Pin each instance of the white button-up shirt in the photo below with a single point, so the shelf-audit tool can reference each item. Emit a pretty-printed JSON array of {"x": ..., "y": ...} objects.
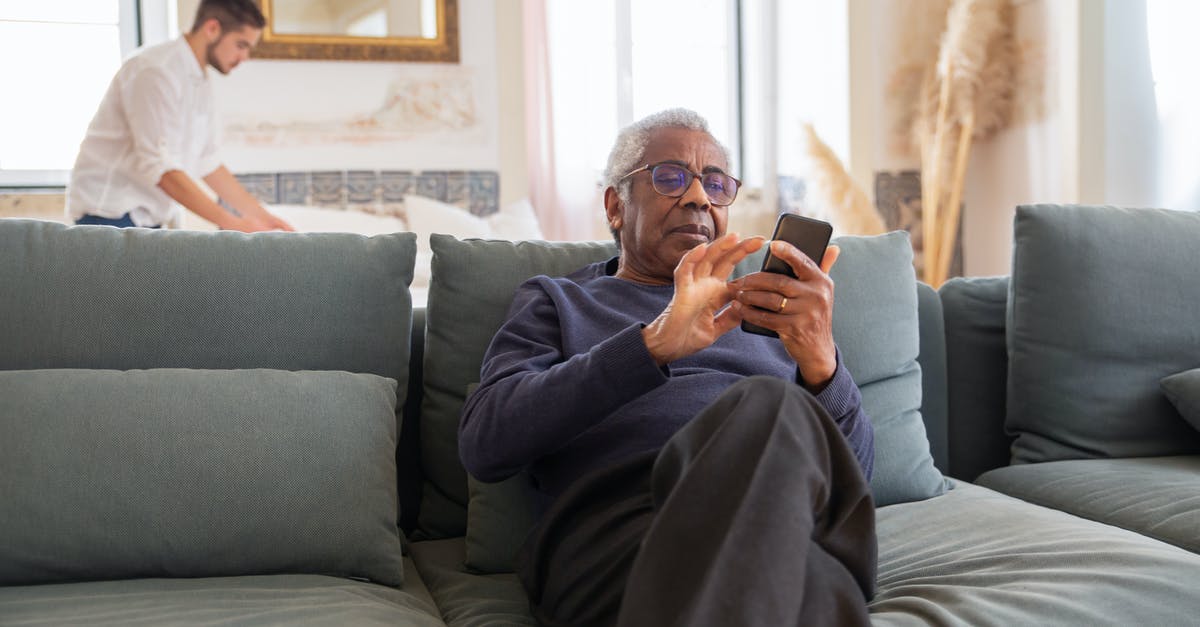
[{"x": 158, "y": 115}]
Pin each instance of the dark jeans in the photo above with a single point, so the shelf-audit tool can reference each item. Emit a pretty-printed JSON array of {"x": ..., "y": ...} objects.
[
  {"x": 122, "y": 222},
  {"x": 755, "y": 513}
]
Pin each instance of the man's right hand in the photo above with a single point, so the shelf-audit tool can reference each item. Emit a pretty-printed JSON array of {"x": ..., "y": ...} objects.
[{"x": 691, "y": 320}]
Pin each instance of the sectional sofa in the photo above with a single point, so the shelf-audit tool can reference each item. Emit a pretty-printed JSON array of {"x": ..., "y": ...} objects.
[{"x": 203, "y": 428}]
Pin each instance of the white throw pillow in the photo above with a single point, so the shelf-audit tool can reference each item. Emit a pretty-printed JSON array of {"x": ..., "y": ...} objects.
[
  {"x": 306, "y": 219},
  {"x": 309, "y": 219},
  {"x": 515, "y": 222}
]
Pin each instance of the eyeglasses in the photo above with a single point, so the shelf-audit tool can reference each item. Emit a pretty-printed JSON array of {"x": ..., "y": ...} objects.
[{"x": 673, "y": 180}]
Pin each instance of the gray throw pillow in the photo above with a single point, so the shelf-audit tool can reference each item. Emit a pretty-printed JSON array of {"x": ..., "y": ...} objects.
[
  {"x": 875, "y": 324},
  {"x": 1183, "y": 390},
  {"x": 196, "y": 473},
  {"x": 1103, "y": 306}
]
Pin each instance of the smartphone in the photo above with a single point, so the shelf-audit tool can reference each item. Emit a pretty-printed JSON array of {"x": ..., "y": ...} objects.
[{"x": 809, "y": 235}]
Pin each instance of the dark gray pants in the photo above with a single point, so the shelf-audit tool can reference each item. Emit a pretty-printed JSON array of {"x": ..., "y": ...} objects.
[{"x": 755, "y": 513}]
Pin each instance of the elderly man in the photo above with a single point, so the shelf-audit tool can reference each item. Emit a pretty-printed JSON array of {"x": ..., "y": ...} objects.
[{"x": 686, "y": 472}]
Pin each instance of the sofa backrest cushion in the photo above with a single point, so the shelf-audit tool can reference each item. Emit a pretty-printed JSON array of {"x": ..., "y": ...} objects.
[
  {"x": 876, "y": 327},
  {"x": 472, "y": 287},
  {"x": 194, "y": 473},
  {"x": 977, "y": 373},
  {"x": 1103, "y": 305},
  {"x": 100, "y": 297},
  {"x": 875, "y": 324}
]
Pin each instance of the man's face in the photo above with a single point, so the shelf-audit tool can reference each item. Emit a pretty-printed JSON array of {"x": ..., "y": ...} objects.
[
  {"x": 657, "y": 230},
  {"x": 231, "y": 48}
]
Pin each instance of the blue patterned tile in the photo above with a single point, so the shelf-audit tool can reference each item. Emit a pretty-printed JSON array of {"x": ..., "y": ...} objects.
[
  {"x": 457, "y": 191},
  {"x": 362, "y": 187},
  {"x": 294, "y": 188},
  {"x": 432, "y": 185},
  {"x": 484, "y": 192},
  {"x": 395, "y": 184},
  {"x": 261, "y": 185},
  {"x": 329, "y": 189}
]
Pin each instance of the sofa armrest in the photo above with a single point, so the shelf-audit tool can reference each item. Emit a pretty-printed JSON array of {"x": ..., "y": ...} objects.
[{"x": 977, "y": 374}]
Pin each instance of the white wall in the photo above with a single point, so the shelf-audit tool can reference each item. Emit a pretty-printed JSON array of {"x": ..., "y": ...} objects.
[
  {"x": 1078, "y": 133},
  {"x": 304, "y": 106}
]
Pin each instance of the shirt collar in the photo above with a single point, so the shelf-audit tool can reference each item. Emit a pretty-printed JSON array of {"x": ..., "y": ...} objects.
[{"x": 194, "y": 71}]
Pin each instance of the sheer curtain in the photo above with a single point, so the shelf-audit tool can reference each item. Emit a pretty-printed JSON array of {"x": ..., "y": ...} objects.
[
  {"x": 571, "y": 118},
  {"x": 591, "y": 68}
]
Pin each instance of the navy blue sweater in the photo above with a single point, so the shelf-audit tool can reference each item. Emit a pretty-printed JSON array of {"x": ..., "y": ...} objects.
[{"x": 568, "y": 386}]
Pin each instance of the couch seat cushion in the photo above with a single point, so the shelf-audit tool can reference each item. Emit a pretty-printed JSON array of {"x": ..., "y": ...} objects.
[
  {"x": 1155, "y": 496},
  {"x": 975, "y": 557},
  {"x": 469, "y": 599},
  {"x": 294, "y": 600}
]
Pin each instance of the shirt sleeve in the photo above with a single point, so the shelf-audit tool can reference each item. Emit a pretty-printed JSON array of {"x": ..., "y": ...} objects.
[
  {"x": 209, "y": 160},
  {"x": 519, "y": 414},
  {"x": 154, "y": 114},
  {"x": 843, "y": 400}
]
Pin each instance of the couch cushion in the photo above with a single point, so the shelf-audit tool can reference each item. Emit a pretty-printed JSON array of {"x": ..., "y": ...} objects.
[
  {"x": 252, "y": 600},
  {"x": 99, "y": 297},
  {"x": 140, "y": 298},
  {"x": 1183, "y": 390},
  {"x": 976, "y": 370},
  {"x": 1103, "y": 306},
  {"x": 977, "y": 557},
  {"x": 469, "y": 599},
  {"x": 875, "y": 324},
  {"x": 195, "y": 473},
  {"x": 473, "y": 286},
  {"x": 1154, "y": 496}
]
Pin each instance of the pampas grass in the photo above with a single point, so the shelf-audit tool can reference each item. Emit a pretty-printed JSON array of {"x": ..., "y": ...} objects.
[
  {"x": 967, "y": 95},
  {"x": 834, "y": 193}
]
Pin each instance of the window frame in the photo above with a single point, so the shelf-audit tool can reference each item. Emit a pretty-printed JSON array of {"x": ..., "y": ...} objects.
[{"x": 135, "y": 18}]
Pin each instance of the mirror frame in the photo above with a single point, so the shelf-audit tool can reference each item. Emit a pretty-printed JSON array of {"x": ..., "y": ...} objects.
[{"x": 443, "y": 49}]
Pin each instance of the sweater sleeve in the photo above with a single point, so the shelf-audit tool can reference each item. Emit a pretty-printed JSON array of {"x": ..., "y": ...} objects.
[
  {"x": 843, "y": 400},
  {"x": 532, "y": 399}
]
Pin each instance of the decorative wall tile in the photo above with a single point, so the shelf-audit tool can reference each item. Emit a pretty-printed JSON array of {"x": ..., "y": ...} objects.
[
  {"x": 477, "y": 191},
  {"x": 395, "y": 184},
  {"x": 329, "y": 189},
  {"x": 362, "y": 191},
  {"x": 294, "y": 188},
  {"x": 262, "y": 186},
  {"x": 484, "y": 192},
  {"x": 431, "y": 184}
]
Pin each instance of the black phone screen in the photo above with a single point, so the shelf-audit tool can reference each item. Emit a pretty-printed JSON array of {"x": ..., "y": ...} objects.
[{"x": 810, "y": 236}]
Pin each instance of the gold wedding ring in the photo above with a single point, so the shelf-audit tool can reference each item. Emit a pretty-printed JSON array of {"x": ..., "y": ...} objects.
[{"x": 782, "y": 304}]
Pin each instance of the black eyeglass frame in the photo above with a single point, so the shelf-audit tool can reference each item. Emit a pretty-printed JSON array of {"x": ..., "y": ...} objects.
[{"x": 649, "y": 167}]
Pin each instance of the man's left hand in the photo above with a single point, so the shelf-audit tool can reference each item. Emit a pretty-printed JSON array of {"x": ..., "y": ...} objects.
[{"x": 800, "y": 310}]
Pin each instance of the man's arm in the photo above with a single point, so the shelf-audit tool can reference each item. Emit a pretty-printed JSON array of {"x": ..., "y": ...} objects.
[
  {"x": 533, "y": 399},
  {"x": 179, "y": 186},
  {"x": 227, "y": 187}
]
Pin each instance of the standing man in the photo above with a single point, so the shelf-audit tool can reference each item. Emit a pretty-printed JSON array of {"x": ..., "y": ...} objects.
[{"x": 156, "y": 132}]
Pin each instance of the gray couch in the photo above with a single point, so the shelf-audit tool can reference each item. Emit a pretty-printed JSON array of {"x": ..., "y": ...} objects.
[{"x": 223, "y": 428}]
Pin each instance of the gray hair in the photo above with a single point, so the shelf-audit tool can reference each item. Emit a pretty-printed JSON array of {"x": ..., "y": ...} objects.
[{"x": 630, "y": 147}]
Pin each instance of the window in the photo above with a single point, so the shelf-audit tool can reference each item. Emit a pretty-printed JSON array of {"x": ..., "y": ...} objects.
[
  {"x": 59, "y": 56},
  {"x": 1173, "y": 50},
  {"x": 755, "y": 69}
]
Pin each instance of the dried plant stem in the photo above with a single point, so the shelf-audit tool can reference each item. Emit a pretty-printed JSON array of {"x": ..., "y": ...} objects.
[
  {"x": 930, "y": 204},
  {"x": 949, "y": 225}
]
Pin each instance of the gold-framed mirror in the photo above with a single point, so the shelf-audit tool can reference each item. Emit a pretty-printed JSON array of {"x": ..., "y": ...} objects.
[{"x": 360, "y": 30}]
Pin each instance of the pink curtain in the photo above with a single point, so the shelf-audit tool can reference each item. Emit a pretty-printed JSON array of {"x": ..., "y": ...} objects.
[{"x": 539, "y": 122}]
